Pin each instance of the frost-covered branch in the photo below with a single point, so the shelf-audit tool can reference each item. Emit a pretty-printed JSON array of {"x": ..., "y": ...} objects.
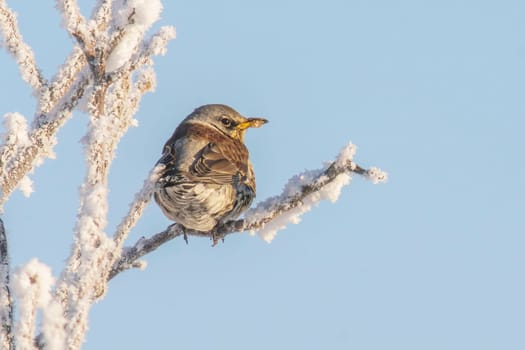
[
  {"x": 271, "y": 215},
  {"x": 85, "y": 279},
  {"x": 111, "y": 107},
  {"x": 102, "y": 14},
  {"x": 75, "y": 23},
  {"x": 55, "y": 101},
  {"x": 6, "y": 300},
  {"x": 16, "y": 46},
  {"x": 59, "y": 87},
  {"x": 41, "y": 141},
  {"x": 32, "y": 285},
  {"x": 142, "y": 198},
  {"x": 156, "y": 45},
  {"x": 112, "y": 40}
]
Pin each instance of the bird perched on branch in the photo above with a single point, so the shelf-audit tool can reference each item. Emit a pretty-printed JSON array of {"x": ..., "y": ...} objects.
[{"x": 208, "y": 177}]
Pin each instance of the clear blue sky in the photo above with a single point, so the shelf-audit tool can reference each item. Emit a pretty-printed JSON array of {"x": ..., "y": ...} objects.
[{"x": 431, "y": 91}]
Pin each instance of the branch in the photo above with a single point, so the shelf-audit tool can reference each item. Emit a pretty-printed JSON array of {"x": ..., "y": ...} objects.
[
  {"x": 32, "y": 285},
  {"x": 41, "y": 140},
  {"x": 55, "y": 104},
  {"x": 257, "y": 219},
  {"x": 154, "y": 46},
  {"x": 21, "y": 52},
  {"x": 6, "y": 299},
  {"x": 93, "y": 252},
  {"x": 102, "y": 14},
  {"x": 75, "y": 23},
  {"x": 59, "y": 86}
]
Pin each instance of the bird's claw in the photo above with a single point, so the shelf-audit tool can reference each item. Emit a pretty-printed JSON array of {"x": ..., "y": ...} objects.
[{"x": 216, "y": 237}]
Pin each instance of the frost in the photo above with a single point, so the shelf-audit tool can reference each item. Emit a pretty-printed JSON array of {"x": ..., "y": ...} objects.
[
  {"x": 377, "y": 175},
  {"x": 304, "y": 191},
  {"x": 157, "y": 45},
  {"x": 325, "y": 190},
  {"x": 137, "y": 12},
  {"x": 140, "y": 264},
  {"x": 35, "y": 280},
  {"x": 26, "y": 186},
  {"x": 53, "y": 325},
  {"x": 13, "y": 41},
  {"x": 15, "y": 139},
  {"x": 125, "y": 48},
  {"x": 347, "y": 153},
  {"x": 32, "y": 285},
  {"x": 136, "y": 208},
  {"x": 16, "y": 130},
  {"x": 330, "y": 191},
  {"x": 94, "y": 199},
  {"x": 72, "y": 19},
  {"x": 134, "y": 17}
]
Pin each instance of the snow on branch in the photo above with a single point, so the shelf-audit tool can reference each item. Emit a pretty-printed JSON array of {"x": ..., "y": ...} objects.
[
  {"x": 74, "y": 22},
  {"x": 131, "y": 18},
  {"x": 136, "y": 208},
  {"x": 102, "y": 14},
  {"x": 111, "y": 106},
  {"x": 271, "y": 215},
  {"x": 41, "y": 140},
  {"x": 6, "y": 300},
  {"x": 59, "y": 87},
  {"x": 14, "y": 139},
  {"x": 21, "y": 52},
  {"x": 32, "y": 285},
  {"x": 56, "y": 102}
]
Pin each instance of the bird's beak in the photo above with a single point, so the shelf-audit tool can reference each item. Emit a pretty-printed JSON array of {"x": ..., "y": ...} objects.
[{"x": 251, "y": 123}]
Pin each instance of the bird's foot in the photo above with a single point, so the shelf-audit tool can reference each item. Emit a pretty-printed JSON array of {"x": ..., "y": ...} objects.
[{"x": 216, "y": 237}]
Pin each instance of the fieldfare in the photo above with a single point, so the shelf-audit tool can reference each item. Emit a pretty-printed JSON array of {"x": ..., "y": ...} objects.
[{"x": 208, "y": 178}]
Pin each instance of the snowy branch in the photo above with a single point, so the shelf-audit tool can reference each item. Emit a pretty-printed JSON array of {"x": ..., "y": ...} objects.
[
  {"x": 41, "y": 141},
  {"x": 111, "y": 106},
  {"x": 102, "y": 14},
  {"x": 59, "y": 87},
  {"x": 21, "y": 52},
  {"x": 6, "y": 300},
  {"x": 156, "y": 45},
  {"x": 269, "y": 216},
  {"x": 32, "y": 285},
  {"x": 75, "y": 23}
]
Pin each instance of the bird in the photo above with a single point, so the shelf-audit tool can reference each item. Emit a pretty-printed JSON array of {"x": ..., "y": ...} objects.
[{"x": 207, "y": 178}]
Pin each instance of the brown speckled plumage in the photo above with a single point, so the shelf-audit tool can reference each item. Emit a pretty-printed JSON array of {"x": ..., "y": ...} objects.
[{"x": 208, "y": 176}]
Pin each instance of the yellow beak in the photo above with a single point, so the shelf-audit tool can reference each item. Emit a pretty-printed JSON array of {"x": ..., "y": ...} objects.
[{"x": 251, "y": 123}]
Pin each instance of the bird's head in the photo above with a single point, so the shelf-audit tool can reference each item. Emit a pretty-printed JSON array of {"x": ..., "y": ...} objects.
[{"x": 225, "y": 119}]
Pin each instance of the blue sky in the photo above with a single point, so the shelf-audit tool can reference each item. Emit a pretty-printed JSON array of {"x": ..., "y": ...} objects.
[{"x": 431, "y": 91}]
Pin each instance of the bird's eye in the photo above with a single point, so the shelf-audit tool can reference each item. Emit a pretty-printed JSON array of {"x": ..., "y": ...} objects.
[{"x": 227, "y": 122}]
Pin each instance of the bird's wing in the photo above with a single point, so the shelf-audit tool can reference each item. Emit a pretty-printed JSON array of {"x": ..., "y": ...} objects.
[
  {"x": 220, "y": 163},
  {"x": 168, "y": 156}
]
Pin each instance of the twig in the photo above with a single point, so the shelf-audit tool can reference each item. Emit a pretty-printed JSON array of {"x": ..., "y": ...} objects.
[
  {"x": 6, "y": 299},
  {"x": 156, "y": 45},
  {"x": 76, "y": 24},
  {"x": 102, "y": 14},
  {"x": 17, "y": 47},
  {"x": 60, "y": 85},
  {"x": 40, "y": 140}
]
